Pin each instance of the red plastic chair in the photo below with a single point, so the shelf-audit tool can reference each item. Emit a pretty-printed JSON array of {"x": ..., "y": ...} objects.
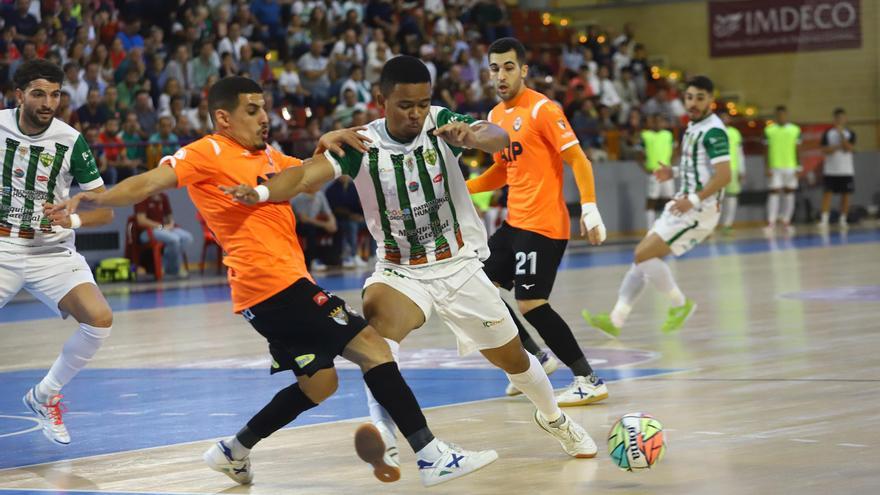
[
  {"x": 134, "y": 249},
  {"x": 208, "y": 240}
]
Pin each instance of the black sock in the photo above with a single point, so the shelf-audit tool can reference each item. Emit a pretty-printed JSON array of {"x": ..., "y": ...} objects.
[
  {"x": 392, "y": 393},
  {"x": 558, "y": 337},
  {"x": 524, "y": 336},
  {"x": 281, "y": 410}
]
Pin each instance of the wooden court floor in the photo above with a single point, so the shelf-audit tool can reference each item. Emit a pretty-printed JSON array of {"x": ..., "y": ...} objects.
[{"x": 773, "y": 387}]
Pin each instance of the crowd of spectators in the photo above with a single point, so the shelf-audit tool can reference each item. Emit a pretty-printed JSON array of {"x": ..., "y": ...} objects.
[{"x": 137, "y": 71}]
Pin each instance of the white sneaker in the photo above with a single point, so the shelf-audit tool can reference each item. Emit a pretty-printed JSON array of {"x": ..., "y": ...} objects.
[
  {"x": 454, "y": 462},
  {"x": 550, "y": 365},
  {"x": 49, "y": 415},
  {"x": 219, "y": 458},
  {"x": 583, "y": 391},
  {"x": 360, "y": 262},
  {"x": 574, "y": 439},
  {"x": 788, "y": 229},
  {"x": 378, "y": 446},
  {"x": 318, "y": 266},
  {"x": 348, "y": 263}
]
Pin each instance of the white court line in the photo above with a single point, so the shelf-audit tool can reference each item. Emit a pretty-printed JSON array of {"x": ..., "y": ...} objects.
[
  {"x": 517, "y": 422},
  {"x": 22, "y": 432},
  {"x": 223, "y": 414},
  {"x": 856, "y": 445},
  {"x": 803, "y": 440},
  {"x": 715, "y": 433},
  {"x": 470, "y": 420},
  {"x": 126, "y": 413},
  {"x": 123, "y": 396},
  {"x": 214, "y": 439}
]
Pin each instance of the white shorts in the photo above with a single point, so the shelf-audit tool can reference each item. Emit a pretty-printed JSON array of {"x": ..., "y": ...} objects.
[
  {"x": 783, "y": 178},
  {"x": 49, "y": 274},
  {"x": 657, "y": 189},
  {"x": 684, "y": 232},
  {"x": 467, "y": 301}
]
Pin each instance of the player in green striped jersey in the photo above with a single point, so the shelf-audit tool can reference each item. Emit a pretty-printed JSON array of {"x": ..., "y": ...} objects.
[
  {"x": 41, "y": 156},
  {"x": 686, "y": 221}
]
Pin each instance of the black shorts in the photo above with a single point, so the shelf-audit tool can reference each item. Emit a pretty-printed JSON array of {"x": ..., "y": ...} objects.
[
  {"x": 306, "y": 326},
  {"x": 840, "y": 184},
  {"x": 524, "y": 259}
]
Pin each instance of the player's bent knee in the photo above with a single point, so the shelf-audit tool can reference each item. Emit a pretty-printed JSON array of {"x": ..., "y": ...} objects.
[
  {"x": 320, "y": 386},
  {"x": 102, "y": 318},
  {"x": 526, "y": 305},
  {"x": 371, "y": 349}
]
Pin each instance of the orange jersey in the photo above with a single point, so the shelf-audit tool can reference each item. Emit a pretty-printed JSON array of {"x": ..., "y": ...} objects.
[
  {"x": 262, "y": 251},
  {"x": 539, "y": 133}
]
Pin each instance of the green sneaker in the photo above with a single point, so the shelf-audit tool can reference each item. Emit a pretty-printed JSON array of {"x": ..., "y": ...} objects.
[
  {"x": 678, "y": 315},
  {"x": 602, "y": 321}
]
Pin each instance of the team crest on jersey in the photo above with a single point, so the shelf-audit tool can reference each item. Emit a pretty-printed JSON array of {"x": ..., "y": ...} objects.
[
  {"x": 22, "y": 150},
  {"x": 410, "y": 163},
  {"x": 18, "y": 173},
  {"x": 46, "y": 159},
  {"x": 339, "y": 315},
  {"x": 430, "y": 156},
  {"x": 561, "y": 124},
  {"x": 413, "y": 186},
  {"x": 517, "y": 124}
]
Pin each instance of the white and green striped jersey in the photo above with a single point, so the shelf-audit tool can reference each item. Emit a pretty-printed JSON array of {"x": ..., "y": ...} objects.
[
  {"x": 703, "y": 145},
  {"x": 416, "y": 203},
  {"x": 38, "y": 169}
]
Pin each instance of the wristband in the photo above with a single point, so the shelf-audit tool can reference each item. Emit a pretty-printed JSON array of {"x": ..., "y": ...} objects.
[
  {"x": 694, "y": 199},
  {"x": 262, "y": 193},
  {"x": 75, "y": 221}
]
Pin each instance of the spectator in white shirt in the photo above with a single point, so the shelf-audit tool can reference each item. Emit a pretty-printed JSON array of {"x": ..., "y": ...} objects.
[
  {"x": 347, "y": 52},
  {"x": 314, "y": 71},
  {"x": 357, "y": 84},
  {"x": 74, "y": 86},
  {"x": 233, "y": 42},
  {"x": 628, "y": 92}
]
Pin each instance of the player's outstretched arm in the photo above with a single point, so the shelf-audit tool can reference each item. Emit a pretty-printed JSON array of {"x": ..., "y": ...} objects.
[
  {"x": 313, "y": 174},
  {"x": 59, "y": 214},
  {"x": 591, "y": 221},
  {"x": 130, "y": 191},
  {"x": 495, "y": 177},
  {"x": 483, "y": 136}
]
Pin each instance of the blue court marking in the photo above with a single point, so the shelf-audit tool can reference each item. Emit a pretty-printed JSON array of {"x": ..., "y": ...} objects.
[
  {"x": 118, "y": 410},
  {"x": 34, "y": 310}
]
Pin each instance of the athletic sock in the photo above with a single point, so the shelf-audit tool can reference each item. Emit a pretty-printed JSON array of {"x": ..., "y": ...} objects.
[
  {"x": 535, "y": 384},
  {"x": 79, "y": 349},
  {"x": 527, "y": 341},
  {"x": 558, "y": 337},
  {"x": 392, "y": 392}
]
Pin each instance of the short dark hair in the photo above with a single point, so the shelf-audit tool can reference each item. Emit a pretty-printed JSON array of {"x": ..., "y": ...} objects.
[
  {"x": 839, "y": 111},
  {"x": 781, "y": 108},
  {"x": 32, "y": 70},
  {"x": 223, "y": 95},
  {"x": 504, "y": 45},
  {"x": 402, "y": 69},
  {"x": 702, "y": 82}
]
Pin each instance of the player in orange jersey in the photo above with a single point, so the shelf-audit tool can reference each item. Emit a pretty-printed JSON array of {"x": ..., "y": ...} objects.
[
  {"x": 306, "y": 326},
  {"x": 527, "y": 249}
]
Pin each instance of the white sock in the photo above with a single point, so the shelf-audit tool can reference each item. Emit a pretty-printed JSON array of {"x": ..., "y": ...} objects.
[
  {"x": 430, "y": 452},
  {"x": 824, "y": 218},
  {"x": 378, "y": 415},
  {"x": 535, "y": 384},
  {"x": 729, "y": 211},
  {"x": 630, "y": 289},
  {"x": 76, "y": 354},
  {"x": 660, "y": 275},
  {"x": 650, "y": 216},
  {"x": 772, "y": 208},
  {"x": 239, "y": 451},
  {"x": 842, "y": 218},
  {"x": 787, "y": 207}
]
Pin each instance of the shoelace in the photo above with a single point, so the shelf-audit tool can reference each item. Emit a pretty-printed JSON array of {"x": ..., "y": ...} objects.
[{"x": 55, "y": 410}]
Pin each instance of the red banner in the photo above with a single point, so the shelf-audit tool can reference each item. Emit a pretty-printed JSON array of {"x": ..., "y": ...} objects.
[{"x": 767, "y": 26}]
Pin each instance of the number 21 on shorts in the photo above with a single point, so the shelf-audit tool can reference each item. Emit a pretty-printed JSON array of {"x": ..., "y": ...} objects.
[{"x": 522, "y": 258}]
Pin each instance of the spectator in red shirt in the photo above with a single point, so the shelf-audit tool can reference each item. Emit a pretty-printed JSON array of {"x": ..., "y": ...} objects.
[
  {"x": 155, "y": 213},
  {"x": 114, "y": 149}
]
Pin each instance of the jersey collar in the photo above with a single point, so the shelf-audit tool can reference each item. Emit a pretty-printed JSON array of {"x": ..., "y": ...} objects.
[{"x": 520, "y": 100}]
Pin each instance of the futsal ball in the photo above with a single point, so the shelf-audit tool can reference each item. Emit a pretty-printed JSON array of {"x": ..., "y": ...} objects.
[{"x": 636, "y": 441}]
